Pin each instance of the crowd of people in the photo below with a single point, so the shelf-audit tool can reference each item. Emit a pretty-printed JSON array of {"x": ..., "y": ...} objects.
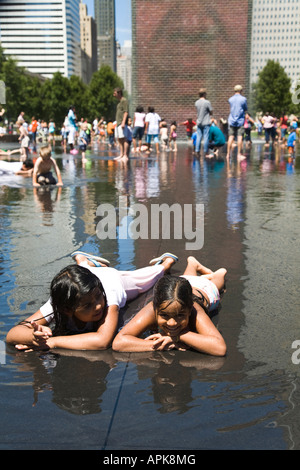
[{"x": 135, "y": 134}]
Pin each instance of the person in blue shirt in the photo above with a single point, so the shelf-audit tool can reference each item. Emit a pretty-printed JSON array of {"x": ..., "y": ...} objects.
[
  {"x": 292, "y": 139},
  {"x": 238, "y": 108},
  {"x": 216, "y": 139}
]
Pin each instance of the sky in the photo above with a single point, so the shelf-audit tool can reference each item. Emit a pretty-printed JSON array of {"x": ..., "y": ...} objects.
[{"x": 123, "y": 18}]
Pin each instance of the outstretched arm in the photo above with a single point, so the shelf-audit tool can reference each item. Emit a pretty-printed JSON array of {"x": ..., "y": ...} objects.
[
  {"x": 31, "y": 333},
  {"x": 57, "y": 171},
  {"x": 101, "y": 339},
  {"x": 128, "y": 339},
  {"x": 206, "y": 338},
  {"x": 34, "y": 333}
]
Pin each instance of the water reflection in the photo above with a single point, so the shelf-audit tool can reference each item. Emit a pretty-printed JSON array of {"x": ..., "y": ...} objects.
[
  {"x": 77, "y": 380},
  {"x": 46, "y": 199}
]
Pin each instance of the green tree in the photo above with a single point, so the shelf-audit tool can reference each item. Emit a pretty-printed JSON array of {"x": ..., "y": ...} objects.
[
  {"x": 79, "y": 96},
  {"x": 272, "y": 90},
  {"x": 15, "y": 80},
  {"x": 33, "y": 103},
  {"x": 2, "y": 58},
  {"x": 100, "y": 95},
  {"x": 56, "y": 96}
]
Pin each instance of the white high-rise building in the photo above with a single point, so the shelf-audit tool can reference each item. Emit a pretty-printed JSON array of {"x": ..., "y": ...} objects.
[
  {"x": 124, "y": 65},
  {"x": 275, "y": 36},
  {"x": 43, "y": 36}
]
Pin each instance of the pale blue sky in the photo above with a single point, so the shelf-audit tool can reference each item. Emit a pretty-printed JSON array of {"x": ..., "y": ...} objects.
[{"x": 123, "y": 18}]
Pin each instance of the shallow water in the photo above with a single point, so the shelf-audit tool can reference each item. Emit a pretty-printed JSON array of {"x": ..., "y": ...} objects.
[{"x": 106, "y": 400}]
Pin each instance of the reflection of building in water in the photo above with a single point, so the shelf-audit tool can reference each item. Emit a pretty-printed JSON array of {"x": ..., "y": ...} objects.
[{"x": 178, "y": 49}]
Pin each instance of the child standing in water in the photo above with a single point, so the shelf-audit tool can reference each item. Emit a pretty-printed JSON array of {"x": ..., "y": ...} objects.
[
  {"x": 83, "y": 140},
  {"x": 84, "y": 304},
  {"x": 173, "y": 136},
  {"x": 179, "y": 313}
]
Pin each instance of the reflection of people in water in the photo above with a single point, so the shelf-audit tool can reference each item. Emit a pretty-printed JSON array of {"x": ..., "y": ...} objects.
[
  {"x": 78, "y": 384},
  {"x": 45, "y": 202},
  {"x": 172, "y": 374},
  {"x": 77, "y": 379}
]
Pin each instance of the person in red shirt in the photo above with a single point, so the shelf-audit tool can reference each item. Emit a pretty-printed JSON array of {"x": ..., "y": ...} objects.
[
  {"x": 189, "y": 124},
  {"x": 34, "y": 125}
]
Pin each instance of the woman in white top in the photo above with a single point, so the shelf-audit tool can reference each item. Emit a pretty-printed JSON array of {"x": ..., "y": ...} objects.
[
  {"x": 138, "y": 128},
  {"x": 152, "y": 128}
]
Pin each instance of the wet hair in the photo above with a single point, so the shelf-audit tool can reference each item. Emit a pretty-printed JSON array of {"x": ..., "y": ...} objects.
[
  {"x": 66, "y": 291},
  {"x": 28, "y": 164},
  {"x": 172, "y": 289},
  {"x": 45, "y": 151}
]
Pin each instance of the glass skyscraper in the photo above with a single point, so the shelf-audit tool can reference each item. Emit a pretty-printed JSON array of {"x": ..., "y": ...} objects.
[
  {"x": 106, "y": 32},
  {"x": 42, "y": 35}
]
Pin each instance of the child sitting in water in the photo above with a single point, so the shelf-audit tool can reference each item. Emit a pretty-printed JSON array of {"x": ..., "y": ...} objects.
[
  {"x": 179, "y": 312},
  {"x": 42, "y": 173},
  {"x": 84, "y": 304}
]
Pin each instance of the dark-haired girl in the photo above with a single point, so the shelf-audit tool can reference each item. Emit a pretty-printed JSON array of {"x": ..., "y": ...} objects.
[
  {"x": 84, "y": 304},
  {"x": 179, "y": 314}
]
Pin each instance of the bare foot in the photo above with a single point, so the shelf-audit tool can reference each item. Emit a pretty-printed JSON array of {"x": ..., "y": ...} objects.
[
  {"x": 81, "y": 258},
  {"x": 167, "y": 263}
]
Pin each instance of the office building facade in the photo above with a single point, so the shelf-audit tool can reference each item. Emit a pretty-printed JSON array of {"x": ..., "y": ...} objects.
[
  {"x": 88, "y": 34},
  {"x": 43, "y": 36},
  {"x": 106, "y": 32},
  {"x": 276, "y": 36}
]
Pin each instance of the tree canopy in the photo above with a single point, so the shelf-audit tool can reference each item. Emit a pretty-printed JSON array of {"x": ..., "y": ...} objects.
[
  {"x": 51, "y": 98},
  {"x": 272, "y": 90}
]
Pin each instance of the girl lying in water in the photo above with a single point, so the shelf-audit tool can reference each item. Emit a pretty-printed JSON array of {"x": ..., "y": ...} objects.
[
  {"x": 179, "y": 313},
  {"x": 84, "y": 304}
]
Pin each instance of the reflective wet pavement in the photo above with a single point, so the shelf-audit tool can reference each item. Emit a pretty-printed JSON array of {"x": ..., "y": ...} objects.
[{"x": 170, "y": 400}]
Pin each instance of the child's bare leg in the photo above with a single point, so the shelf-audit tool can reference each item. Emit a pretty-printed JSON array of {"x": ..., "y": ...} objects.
[
  {"x": 194, "y": 267},
  {"x": 218, "y": 278}
]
